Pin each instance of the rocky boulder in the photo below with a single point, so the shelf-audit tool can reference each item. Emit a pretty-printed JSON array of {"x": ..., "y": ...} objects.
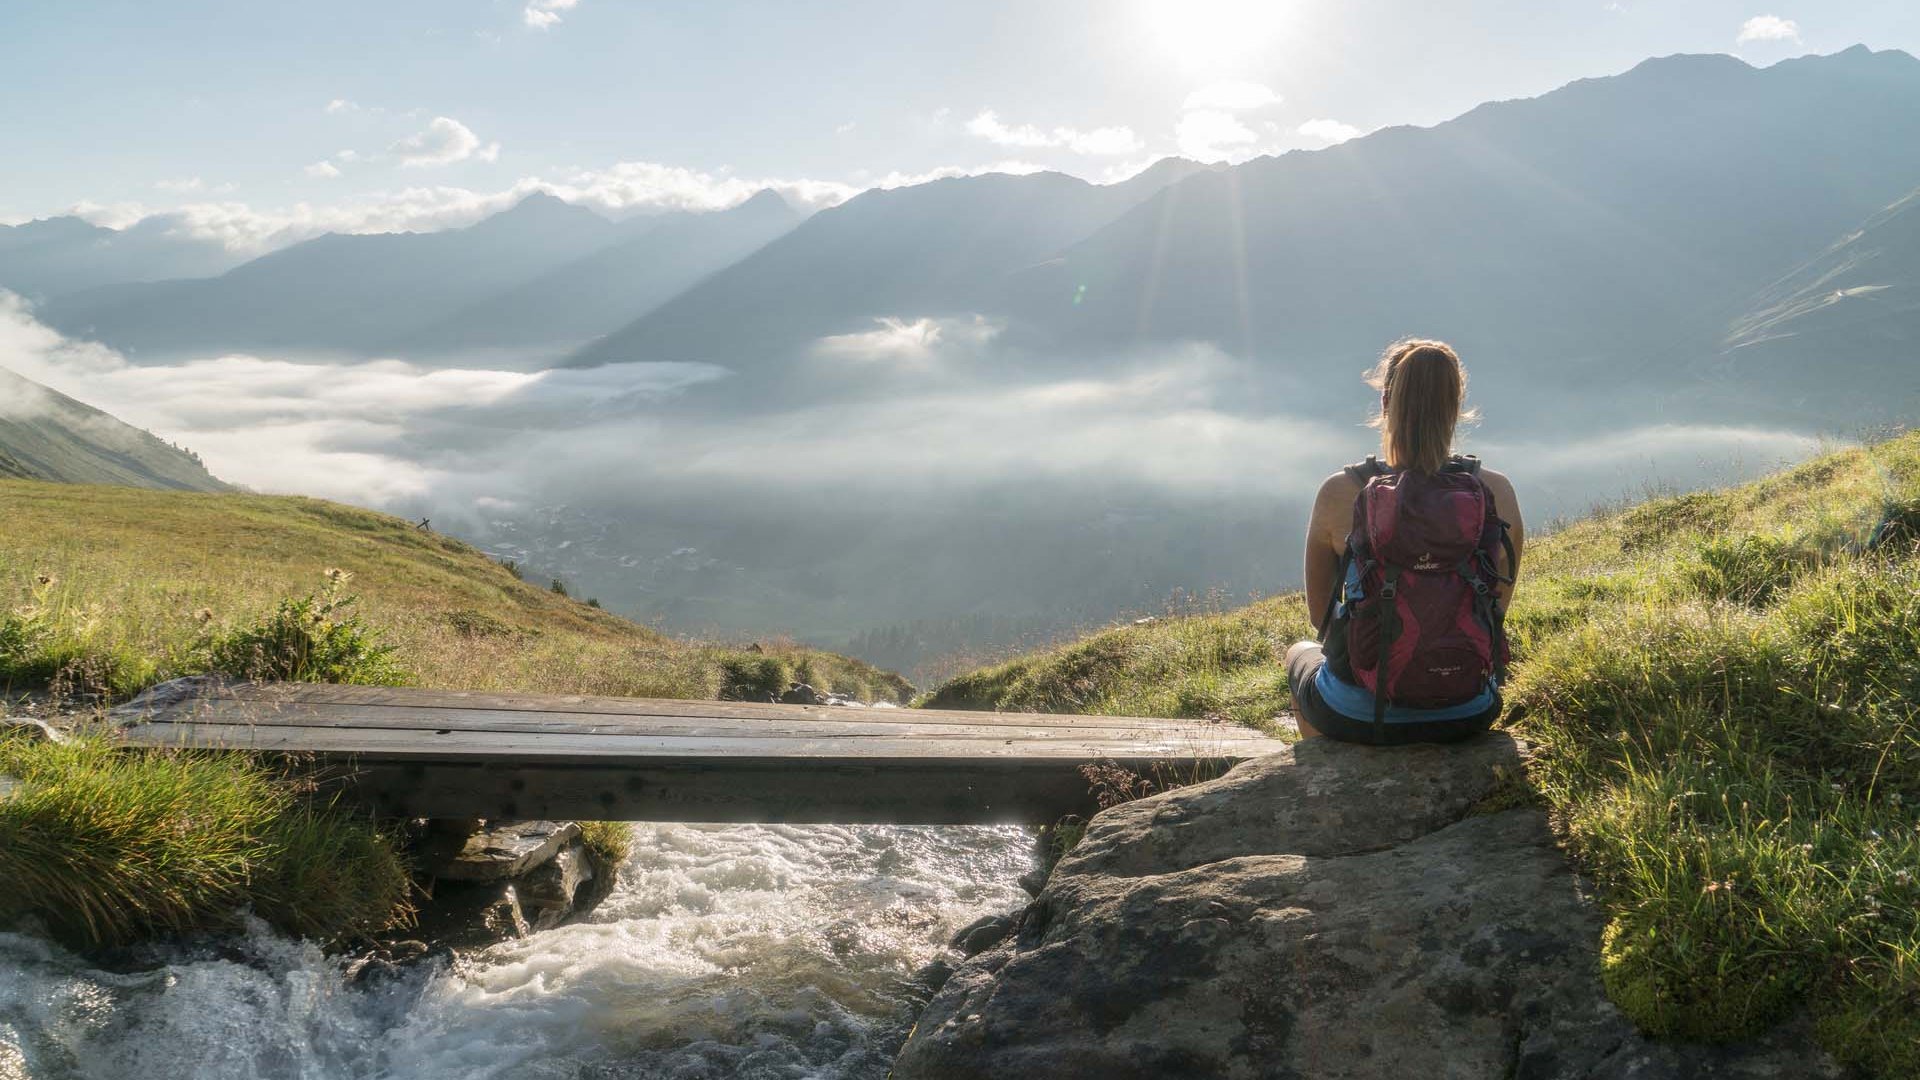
[
  {"x": 491, "y": 881},
  {"x": 1331, "y": 911}
]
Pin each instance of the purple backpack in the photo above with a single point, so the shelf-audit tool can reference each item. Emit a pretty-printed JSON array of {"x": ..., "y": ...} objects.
[{"x": 1413, "y": 618}]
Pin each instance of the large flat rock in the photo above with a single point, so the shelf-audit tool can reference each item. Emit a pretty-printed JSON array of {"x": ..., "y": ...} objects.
[{"x": 1331, "y": 912}]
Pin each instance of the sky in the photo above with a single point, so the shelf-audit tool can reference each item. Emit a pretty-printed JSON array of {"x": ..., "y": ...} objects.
[{"x": 261, "y": 124}]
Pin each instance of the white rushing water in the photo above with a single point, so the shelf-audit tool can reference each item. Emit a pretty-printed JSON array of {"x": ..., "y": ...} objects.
[{"x": 725, "y": 951}]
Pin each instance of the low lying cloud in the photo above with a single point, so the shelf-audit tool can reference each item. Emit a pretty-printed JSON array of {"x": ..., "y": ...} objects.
[
  {"x": 620, "y": 190},
  {"x": 444, "y": 141},
  {"x": 1768, "y": 28},
  {"x": 903, "y": 343},
  {"x": 369, "y": 433},
  {"x": 1102, "y": 141},
  {"x": 1329, "y": 131},
  {"x": 1214, "y": 135}
]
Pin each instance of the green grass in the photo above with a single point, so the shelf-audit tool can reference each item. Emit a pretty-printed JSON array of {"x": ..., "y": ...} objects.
[
  {"x": 1214, "y": 665},
  {"x": 107, "y": 846},
  {"x": 109, "y": 590},
  {"x": 1725, "y": 691}
]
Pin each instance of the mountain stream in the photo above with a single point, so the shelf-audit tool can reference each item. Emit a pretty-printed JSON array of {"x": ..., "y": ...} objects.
[{"x": 724, "y": 951}]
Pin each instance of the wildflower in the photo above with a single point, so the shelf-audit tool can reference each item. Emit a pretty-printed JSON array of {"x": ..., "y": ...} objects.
[
  {"x": 1902, "y": 877},
  {"x": 1894, "y": 798},
  {"x": 337, "y": 575},
  {"x": 203, "y": 616},
  {"x": 1806, "y": 849},
  {"x": 1836, "y": 787}
]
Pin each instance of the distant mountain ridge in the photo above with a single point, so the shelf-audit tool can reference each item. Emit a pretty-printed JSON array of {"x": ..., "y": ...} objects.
[
  {"x": 358, "y": 293},
  {"x": 598, "y": 292},
  {"x": 939, "y": 248},
  {"x": 63, "y": 254},
  {"x": 46, "y": 435}
]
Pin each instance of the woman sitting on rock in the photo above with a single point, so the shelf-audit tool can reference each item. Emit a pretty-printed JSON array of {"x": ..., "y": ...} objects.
[{"x": 1410, "y": 564}]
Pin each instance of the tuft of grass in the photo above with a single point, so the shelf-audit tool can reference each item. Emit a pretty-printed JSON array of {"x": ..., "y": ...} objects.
[
  {"x": 609, "y": 842},
  {"x": 309, "y": 639},
  {"x": 106, "y": 846}
]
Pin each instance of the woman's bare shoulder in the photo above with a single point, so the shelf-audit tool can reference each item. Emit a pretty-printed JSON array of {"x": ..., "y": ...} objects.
[
  {"x": 1502, "y": 489},
  {"x": 1339, "y": 488}
]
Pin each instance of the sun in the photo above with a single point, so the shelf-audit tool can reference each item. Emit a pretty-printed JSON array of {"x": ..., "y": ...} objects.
[{"x": 1209, "y": 34}]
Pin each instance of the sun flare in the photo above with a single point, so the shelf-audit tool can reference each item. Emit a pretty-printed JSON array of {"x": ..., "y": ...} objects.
[{"x": 1204, "y": 34}]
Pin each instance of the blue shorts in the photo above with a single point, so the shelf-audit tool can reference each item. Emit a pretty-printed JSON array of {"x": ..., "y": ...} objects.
[{"x": 1303, "y": 679}]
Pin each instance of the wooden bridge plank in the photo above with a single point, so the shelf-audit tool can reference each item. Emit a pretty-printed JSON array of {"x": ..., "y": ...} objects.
[
  {"x": 843, "y": 724},
  {"x": 327, "y": 694},
  {"x": 564, "y": 746},
  {"x": 454, "y": 754}
]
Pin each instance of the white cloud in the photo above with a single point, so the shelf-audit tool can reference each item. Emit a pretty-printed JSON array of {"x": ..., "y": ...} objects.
[
  {"x": 1768, "y": 28},
  {"x": 623, "y": 189},
  {"x": 1104, "y": 140},
  {"x": 543, "y": 14},
  {"x": 1213, "y": 135},
  {"x": 908, "y": 343},
  {"x": 117, "y": 215},
  {"x": 1329, "y": 131},
  {"x": 842, "y": 129},
  {"x": 325, "y": 170},
  {"x": 341, "y": 105},
  {"x": 443, "y": 142},
  {"x": 1233, "y": 96}
]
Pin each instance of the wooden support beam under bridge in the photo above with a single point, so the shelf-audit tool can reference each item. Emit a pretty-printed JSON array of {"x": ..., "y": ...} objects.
[{"x": 458, "y": 754}]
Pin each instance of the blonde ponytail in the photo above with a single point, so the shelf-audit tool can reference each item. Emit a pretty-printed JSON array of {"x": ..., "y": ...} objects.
[{"x": 1423, "y": 387}]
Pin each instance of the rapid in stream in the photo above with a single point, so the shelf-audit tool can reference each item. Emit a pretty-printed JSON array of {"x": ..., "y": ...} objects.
[{"x": 724, "y": 951}]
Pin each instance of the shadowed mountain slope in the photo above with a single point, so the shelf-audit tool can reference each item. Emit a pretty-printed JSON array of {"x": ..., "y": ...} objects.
[
  {"x": 1854, "y": 309},
  {"x": 604, "y": 290},
  {"x": 941, "y": 248},
  {"x": 45, "y": 435}
]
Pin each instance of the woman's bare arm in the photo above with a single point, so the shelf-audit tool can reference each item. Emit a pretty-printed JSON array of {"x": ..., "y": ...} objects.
[
  {"x": 1508, "y": 505},
  {"x": 1332, "y": 510}
]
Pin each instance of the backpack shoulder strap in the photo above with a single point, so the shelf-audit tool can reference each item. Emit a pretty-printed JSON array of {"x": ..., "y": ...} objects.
[{"x": 1364, "y": 471}]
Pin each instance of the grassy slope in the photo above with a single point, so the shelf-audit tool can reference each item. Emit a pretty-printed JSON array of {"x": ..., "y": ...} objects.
[
  {"x": 61, "y": 439},
  {"x": 1725, "y": 690},
  {"x": 138, "y": 578}
]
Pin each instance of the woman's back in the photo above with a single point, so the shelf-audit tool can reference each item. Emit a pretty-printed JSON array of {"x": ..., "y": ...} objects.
[{"x": 1425, "y": 628}]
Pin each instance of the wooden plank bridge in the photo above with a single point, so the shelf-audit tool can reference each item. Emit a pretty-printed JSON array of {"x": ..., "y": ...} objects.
[{"x": 455, "y": 754}]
